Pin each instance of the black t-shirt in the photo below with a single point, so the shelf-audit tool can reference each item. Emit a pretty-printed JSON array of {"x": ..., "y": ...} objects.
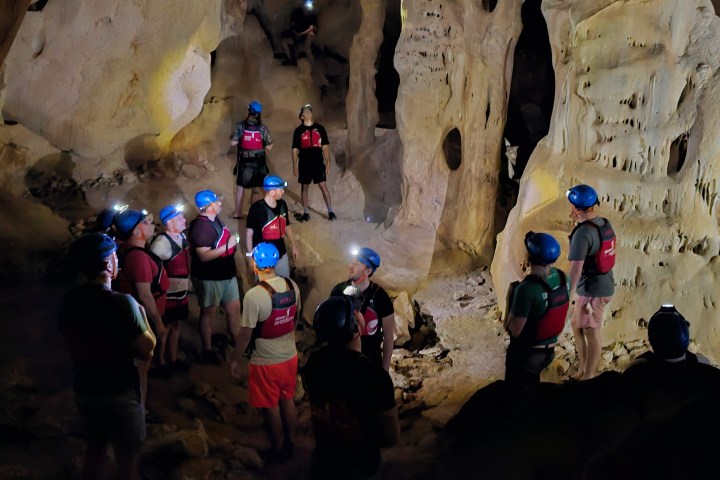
[
  {"x": 309, "y": 141},
  {"x": 261, "y": 215},
  {"x": 98, "y": 326},
  {"x": 347, "y": 391},
  {"x": 377, "y": 306},
  {"x": 206, "y": 233}
]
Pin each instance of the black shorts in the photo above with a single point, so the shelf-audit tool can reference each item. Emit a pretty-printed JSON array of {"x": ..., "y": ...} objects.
[
  {"x": 118, "y": 419},
  {"x": 175, "y": 314},
  {"x": 311, "y": 171},
  {"x": 251, "y": 172}
]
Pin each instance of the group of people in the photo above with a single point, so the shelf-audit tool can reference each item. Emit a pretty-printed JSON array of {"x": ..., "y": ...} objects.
[
  {"x": 539, "y": 304},
  {"x": 310, "y": 158},
  {"x": 129, "y": 312}
]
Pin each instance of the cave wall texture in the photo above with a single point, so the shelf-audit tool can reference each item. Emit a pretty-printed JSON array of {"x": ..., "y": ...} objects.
[{"x": 103, "y": 83}]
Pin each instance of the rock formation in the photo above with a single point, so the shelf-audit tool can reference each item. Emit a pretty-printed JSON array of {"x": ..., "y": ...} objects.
[{"x": 635, "y": 116}]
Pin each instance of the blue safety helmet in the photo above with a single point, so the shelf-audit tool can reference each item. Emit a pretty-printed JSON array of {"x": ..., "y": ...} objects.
[
  {"x": 266, "y": 255},
  {"x": 272, "y": 182},
  {"x": 255, "y": 107},
  {"x": 542, "y": 248},
  {"x": 104, "y": 219},
  {"x": 203, "y": 198},
  {"x": 334, "y": 321},
  {"x": 125, "y": 222},
  {"x": 88, "y": 253},
  {"x": 583, "y": 196},
  {"x": 169, "y": 212},
  {"x": 369, "y": 258},
  {"x": 668, "y": 332}
]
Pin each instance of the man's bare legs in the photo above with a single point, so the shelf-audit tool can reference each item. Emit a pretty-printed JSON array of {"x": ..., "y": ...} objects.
[
  {"x": 304, "y": 195},
  {"x": 289, "y": 414},
  {"x": 580, "y": 349},
  {"x": 232, "y": 310},
  {"x": 281, "y": 421},
  {"x": 593, "y": 349},
  {"x": 239, "y": 200},
  {"x": 172, "y": 340},
  {"x": 207, "y": 315},
  {"x": 326, "y": 195}
]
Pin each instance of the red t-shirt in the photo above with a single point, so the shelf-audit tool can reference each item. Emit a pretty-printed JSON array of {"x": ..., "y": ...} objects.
[{"x": 139, "y": 267}]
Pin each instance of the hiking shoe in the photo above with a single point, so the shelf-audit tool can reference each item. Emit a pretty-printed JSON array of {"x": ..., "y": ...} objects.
[
  {"x": 304, "y": 217},
  {"x": 210, "y": 357},
  {"x": 331, "y": 216}
]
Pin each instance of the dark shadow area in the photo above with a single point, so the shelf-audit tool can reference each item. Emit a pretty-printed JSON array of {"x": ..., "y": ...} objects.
[
  {"x": 678, "y": 154},
  {"x": 38, "y": 6},
  {"x": 489, "y": 5},
  {"x": 50, "y": 180},
  {"x": 532, "y": 89},
  {"x": 452, "y": 148},
  {"x": 387, "y": 79}
]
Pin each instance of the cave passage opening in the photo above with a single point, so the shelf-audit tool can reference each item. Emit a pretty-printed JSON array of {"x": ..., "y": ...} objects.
[
  {"x": 452, "y": 148},
  {"x": 387, "y": 79}
]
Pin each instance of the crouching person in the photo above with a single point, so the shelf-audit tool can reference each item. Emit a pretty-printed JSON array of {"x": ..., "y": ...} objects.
[
  {"x": 352, "y": 399},
  {"x": 537, "y": 313}
]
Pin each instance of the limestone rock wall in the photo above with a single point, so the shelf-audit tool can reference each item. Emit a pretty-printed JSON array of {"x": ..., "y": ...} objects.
[
  {"x": 636, "y": 115},
  {"x": 454, "y": 59},
  {"x": 90, "y": 76}
]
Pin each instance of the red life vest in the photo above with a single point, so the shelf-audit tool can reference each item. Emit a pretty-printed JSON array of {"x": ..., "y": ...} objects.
[
  {"x": 223, "y": 235},
  {"x": 552, "y": 321},
  {"x": 274, "y": 228},
  {"x": 310, "y": 139},
  {"x": 603, "y": 260},
  {"x": 251, "y": 137},
  {"x": 178, "y": 267},
  {"x": 282, "y": 318}
]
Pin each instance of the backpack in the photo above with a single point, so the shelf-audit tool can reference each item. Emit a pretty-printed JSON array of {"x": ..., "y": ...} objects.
[
  {"x": 552, "y": 321},
  {"x": 604, "y": 259}
]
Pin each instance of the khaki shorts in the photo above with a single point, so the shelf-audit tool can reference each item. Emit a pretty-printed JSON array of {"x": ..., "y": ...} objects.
[
  {"x": 211, "y": 293},
  {"x": 588, "y": 311}
]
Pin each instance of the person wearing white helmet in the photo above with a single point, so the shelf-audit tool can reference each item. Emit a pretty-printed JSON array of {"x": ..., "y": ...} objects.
[{"x": 592, "y": 258}]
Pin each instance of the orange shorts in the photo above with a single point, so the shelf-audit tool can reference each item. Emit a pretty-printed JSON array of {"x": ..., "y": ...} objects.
[
  {"x": 267, "y": 384},
  {"x": 588, "y": 311}
]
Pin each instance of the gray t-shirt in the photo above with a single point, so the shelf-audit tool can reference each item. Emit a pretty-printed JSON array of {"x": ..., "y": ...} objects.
[{"x": 585, "y": 242}]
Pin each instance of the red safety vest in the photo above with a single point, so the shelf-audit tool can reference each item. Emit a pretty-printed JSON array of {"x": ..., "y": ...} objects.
[
  {"x": 552, "y": 321},
  {"x": 177, "y": 266},
  {"x": 282, "y": 318},
  {"x": 604, "y": 259},
  {"x": 310, "y": 139},
  {"x": 274, "y": 228},
  {"x": 251, "y": 138}
]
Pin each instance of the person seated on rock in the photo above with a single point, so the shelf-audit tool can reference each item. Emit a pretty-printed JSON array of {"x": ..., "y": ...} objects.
[
  {"x": 107, "y": 336},
  {"x": 537, "y": 311},
  {"x": 352, "y": 399},
  {"x": 302, "y": 31},
  {"x": 669, "y": 336}
]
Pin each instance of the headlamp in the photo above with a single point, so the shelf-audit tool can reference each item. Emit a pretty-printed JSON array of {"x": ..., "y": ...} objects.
[
  {"x": 180, "y": 207},
  {"x": 120, "y": 208},
  {"x": 309, "y": 4}
]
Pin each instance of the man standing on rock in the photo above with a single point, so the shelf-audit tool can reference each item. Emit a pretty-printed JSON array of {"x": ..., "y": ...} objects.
[
  {"x": 537, "y": 313},
  {"x": 378, "y": 327},
  {"x": 592, "y": 257},
  {"x": 212, "y": 256},
  {"x": 352, "y": 399},
  {"x": 311, "y": 160},
  {"x": 270, "y": 310},
  {"x": 106, "y": 334},
  {"x": 268, "y": 221},
  {"x": 173, "y": 249},
  {"x": 253, "y": 142}
]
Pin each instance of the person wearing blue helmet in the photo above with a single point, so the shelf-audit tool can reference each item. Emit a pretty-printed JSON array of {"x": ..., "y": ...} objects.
[
  {"x": 377, "y": 332},
  {"x": 537, "y": 311},
  {"x": 592, "y": 258},
  {"x": 107, "y": 335},
  {"x": 142, "y": 274},
  {"x": 212, "y": 253},
  {"x": 173, "y": 248},
  {"x": 253, "y": 141},
  {"x": 270, "y": 311},
  {"x": 311, "y": 160},
  {"x": 268, "y": 221}
]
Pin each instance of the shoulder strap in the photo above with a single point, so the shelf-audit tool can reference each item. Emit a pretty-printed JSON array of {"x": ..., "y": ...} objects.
[
  {"x": 368, "y": 295},
  {"x": 153, "y": 257},
  {"x": 538, "y": 281},
  {"x": 267, "y": 287}
]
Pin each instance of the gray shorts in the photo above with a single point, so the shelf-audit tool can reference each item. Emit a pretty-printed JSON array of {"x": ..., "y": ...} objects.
[
  {"x": 118, "y": 420},
  {"x": 211, "y": 293}
]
